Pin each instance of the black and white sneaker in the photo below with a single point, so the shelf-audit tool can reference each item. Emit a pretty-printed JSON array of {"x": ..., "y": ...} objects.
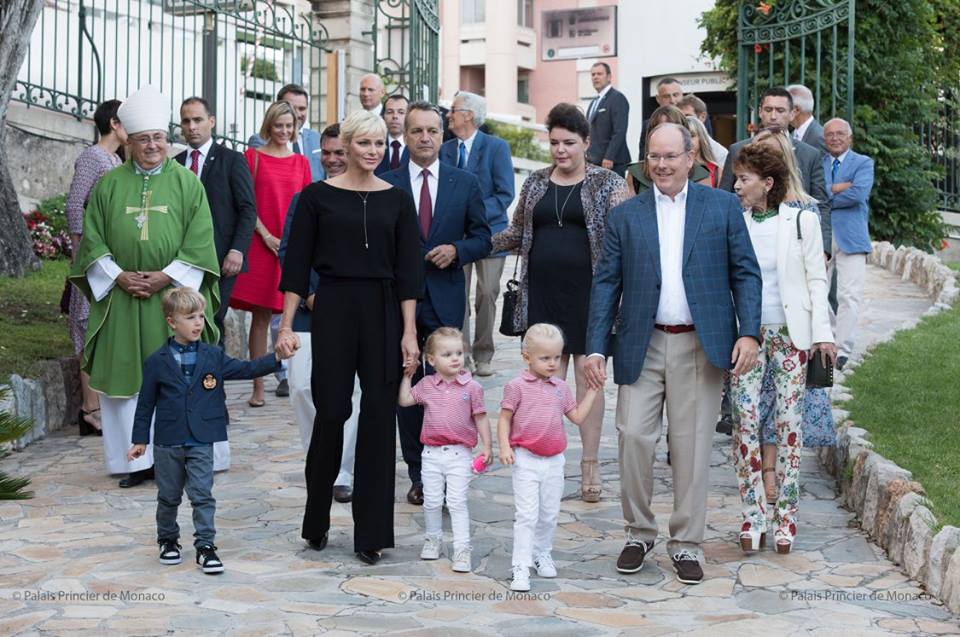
[
  {"x": 687, "y": 566},
  {"x": 207, "y": 560},
  {"x": 170, "y": 552}
]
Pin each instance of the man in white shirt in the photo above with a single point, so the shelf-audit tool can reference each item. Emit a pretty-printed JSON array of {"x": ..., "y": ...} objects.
[
  {"x": 806, "y": 128},
  {"x": 395, "y": 154},
  {"x": 678, "y": 275}
]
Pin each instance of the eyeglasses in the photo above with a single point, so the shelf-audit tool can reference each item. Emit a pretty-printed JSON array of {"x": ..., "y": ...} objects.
[
  {"x": 460, "y": 110},
  {"x": 143, "y": 140},
  {"x": 670, "y": 158}
]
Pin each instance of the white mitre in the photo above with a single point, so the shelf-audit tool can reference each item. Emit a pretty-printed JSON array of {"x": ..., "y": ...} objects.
[{"x": 146, "y": 109}]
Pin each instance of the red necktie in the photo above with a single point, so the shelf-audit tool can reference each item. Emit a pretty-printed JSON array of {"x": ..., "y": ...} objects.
[
  {"x": 426, "y": 206},
  {"x": 195, "y": 162},
  {"x": 395, "y": 155}
]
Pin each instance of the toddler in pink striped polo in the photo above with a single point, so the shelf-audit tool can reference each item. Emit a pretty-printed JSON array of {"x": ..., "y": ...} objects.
[
  {"x": 531, "y": 438},
  {"x": 453, "y": 414}
]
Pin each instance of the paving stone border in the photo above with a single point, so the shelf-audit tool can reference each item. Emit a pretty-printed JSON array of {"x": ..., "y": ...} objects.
[
  {"x": 52, "y": 399},
  {"x": 889, "y": 504}
]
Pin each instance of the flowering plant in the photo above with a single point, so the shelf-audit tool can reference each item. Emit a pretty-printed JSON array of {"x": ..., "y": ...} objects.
[{"x": 48, "y": 229}]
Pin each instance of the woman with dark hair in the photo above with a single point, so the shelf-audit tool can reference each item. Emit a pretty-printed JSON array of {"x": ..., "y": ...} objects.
[
  {"x": 558, "y": 228},
  {"x": 638, "y": 179},
  {"x": 794, "y": 319},
  {"x": 90, "y": 166}
]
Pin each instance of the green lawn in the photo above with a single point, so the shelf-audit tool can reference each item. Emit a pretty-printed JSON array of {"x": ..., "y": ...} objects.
[
  {"x": 31, "y": 326},
  {"x": 906, "y": 395}
]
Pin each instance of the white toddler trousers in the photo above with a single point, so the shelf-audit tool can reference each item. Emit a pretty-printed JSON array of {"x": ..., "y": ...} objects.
[
  {"x": 299, "y": 372},
  {"x": 537, "y": 490},
  {"x": 447, "y": 465}
]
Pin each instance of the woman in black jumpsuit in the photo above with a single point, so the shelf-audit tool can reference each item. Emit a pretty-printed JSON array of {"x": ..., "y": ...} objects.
[{"x": 359, "y": 235}]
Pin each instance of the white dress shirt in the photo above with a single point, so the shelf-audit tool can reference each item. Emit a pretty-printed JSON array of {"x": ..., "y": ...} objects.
[
  {"x": 594, "y": 105},
  {"x": 433, "y": 183},
  {"x": 671, "y": 217},
  {"x": 204, "y": 151},
  {"x": 801, "y": 130}
]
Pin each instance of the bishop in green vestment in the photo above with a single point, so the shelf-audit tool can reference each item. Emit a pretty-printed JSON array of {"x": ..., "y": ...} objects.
[{"x": 147, "y": 226}]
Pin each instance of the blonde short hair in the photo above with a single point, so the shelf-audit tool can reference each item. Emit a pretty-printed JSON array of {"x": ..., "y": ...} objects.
[
  {"x": 182, "y": 300},
  {"x": 362, "y": 123},
  {"x": 275, "y": 112},
  {"x": 782, "y": 145},
  {"x": 438, "y": 334},
  {"x": 540, "y": 332}
]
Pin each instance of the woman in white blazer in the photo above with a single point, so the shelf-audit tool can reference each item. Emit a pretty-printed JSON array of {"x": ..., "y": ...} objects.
[{"x": 794, "y": 324}]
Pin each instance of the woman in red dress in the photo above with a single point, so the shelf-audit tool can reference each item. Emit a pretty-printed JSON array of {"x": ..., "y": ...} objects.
[{"x": 278, "y": 174}]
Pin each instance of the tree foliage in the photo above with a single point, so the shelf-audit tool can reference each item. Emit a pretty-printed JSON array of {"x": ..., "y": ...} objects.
[{"x": 906, "y": 55}]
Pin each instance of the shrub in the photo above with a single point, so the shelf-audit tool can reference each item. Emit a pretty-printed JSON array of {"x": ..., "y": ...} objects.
[
  {"x": 521, "y": 140},
  {"x": 48, "y": 229},
  {"x": 262, "y": 69}
]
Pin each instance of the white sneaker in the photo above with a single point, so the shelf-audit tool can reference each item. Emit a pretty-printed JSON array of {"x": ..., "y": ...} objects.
[
  {"x": 462, "y": 562},
  {"x": 521, "y": 579},
  {"x": 431, "y": 548},
  {"x": 545, "y": 566}
]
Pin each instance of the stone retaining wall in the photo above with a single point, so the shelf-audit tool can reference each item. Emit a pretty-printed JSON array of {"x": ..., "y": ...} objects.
[
  {"x": 890, "y": 505},
  {"x": 52, "y": 400}
]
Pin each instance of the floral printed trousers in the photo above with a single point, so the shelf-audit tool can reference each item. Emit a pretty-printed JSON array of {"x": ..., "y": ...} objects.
[{"x": 788, "y": 368}]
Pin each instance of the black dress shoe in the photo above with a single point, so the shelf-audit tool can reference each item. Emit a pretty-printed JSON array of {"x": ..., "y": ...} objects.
[
  {"x": 415, "y": 494},
  {"x": 136, "y": 478},
  {"x": 342, "y": 493},
  {"x": 283, "y": 389},
  {"x": 725, "y": 425},
  {"x": 841, "y": 362},
  {"x": 369, "y": 557},
  {"x": 319, "y": 545}
]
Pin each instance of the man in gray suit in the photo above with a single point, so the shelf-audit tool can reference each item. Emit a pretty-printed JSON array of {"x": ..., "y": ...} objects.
[
  {"x": 776, "y": 110},
  {"x": 806, "y": 128},
  {"x": 607, "y": 114}
]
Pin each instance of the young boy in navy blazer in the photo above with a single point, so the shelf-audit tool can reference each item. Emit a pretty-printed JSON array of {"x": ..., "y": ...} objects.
[{"x": 183, "y": 382}]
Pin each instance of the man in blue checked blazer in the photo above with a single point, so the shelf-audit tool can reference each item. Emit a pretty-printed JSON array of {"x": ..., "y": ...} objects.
[
  {"x": 453, "y": 233},
  {"x": 679, "y": 282},
  {"x": 849, "y": 177}
]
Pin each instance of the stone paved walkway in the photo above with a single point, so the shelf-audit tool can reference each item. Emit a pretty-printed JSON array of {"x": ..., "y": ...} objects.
[{"x": 80, "y": 559}]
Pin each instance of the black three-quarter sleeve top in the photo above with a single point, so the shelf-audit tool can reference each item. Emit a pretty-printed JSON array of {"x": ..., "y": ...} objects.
[{"x": 330, "y": 235}]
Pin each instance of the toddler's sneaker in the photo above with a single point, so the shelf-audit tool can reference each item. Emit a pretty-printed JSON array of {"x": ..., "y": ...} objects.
[
  {"x": 170, "y": 552},
  {"x": 431, "y": 548},
  {"x": 462, "y": 561},
  {"x": 521, "y": 579},
  {"x": 545, "y": 566},
  {"x": 207, "y": 559}
]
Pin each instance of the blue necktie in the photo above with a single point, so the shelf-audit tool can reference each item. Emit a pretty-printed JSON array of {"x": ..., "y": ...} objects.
[
  {"x": 462, "y": 157},
  {"x": 835, "y": 171}
]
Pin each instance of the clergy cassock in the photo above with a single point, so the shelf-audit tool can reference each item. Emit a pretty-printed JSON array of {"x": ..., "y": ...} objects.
[{"x": 141, "y": 222}]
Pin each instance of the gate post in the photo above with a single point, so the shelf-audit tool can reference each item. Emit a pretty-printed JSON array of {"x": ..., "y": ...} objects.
[{"x": 209, "y": 82}]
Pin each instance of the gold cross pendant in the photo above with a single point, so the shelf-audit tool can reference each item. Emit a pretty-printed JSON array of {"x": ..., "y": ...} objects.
[{"x": 143, "y": 214}]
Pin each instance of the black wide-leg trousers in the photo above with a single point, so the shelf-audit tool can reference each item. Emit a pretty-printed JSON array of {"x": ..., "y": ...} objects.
[{"x": 356, "y": 328}]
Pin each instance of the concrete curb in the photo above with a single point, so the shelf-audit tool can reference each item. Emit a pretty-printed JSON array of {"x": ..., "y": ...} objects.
[{"x": 890, "y": 506}]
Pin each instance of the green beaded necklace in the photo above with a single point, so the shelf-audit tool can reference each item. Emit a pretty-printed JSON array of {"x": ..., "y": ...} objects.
[{"x": 763, "y": 216}]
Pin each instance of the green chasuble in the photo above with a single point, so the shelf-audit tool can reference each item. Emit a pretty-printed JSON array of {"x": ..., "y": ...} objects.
[{"x": 144, "y": 223}]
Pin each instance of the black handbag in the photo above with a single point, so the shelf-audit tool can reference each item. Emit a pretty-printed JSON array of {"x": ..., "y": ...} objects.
[
  {"x": 510, "y": 299},
  {"x": 65, "y": 297},
  {"x": 818, "y": 374}
]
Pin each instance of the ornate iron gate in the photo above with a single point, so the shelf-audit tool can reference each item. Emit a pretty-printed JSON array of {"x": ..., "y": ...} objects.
[
  {"x": 406, "y": 35},
  {"x": 234, "y": 53},
  {"x": 808, "y": 42}
]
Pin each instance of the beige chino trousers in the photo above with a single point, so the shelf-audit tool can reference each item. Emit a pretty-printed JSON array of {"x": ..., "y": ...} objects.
[{"x": 676, "y": 373}]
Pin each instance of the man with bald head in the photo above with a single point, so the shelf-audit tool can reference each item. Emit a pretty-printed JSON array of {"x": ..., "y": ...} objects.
[
  {"x": 849, "y": 180},
  {"x": 678, "y": 269},
  {"x": 371, "y": 93}
]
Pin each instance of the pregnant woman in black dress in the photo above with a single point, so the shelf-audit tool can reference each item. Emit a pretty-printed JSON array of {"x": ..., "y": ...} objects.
[
  {"x": 558, "y": 230},
  {"x": 360, "y": 236}
]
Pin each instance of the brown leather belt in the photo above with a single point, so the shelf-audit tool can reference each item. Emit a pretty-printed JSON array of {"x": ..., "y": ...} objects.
[{"x": 674, "y": 329}]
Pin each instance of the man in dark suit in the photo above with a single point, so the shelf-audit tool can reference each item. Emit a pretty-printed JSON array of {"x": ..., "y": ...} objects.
[
  {"x": 669, "y": 93},
  {"x": 395, "y": 154},
  {"x": 453, "y": 233},
  {"x": 229, "y": 186},
  {"x": 806, "y": 128},
  {"x": 776, "y": 110},
  {"x": 488, "y": 158},
  {"x": 678, "y": 274},
  {"x": 608, "y": 114}
]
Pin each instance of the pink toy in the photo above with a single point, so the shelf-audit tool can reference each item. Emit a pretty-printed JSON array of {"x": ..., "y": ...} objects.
[{"x": 479, "y": 466}]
